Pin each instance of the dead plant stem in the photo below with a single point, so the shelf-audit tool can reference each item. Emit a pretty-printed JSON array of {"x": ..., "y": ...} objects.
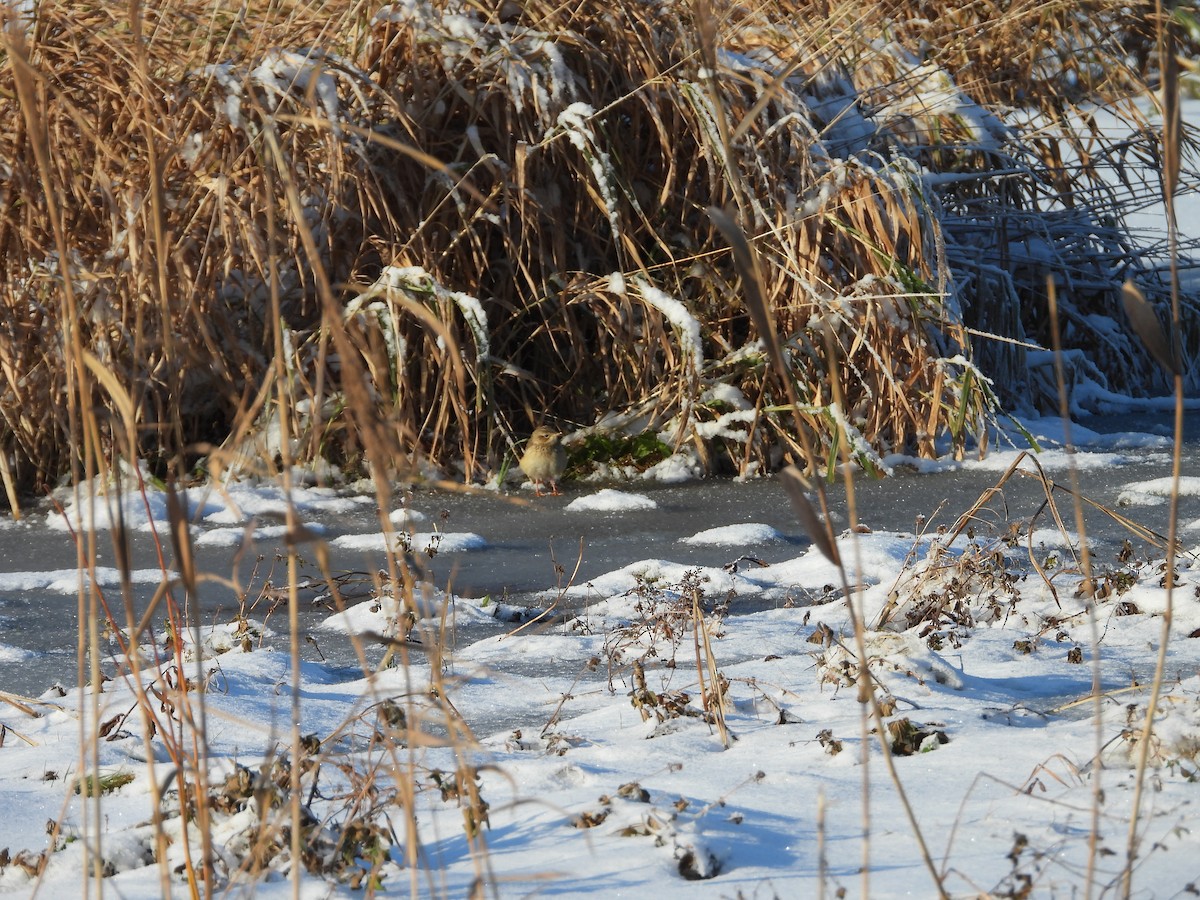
[
  {"x": 1088, "y": 588},
  {"x": 1168, "y": 63},
  {"x": 286, "y": 402},
  {"x": 866, "y": 687}
]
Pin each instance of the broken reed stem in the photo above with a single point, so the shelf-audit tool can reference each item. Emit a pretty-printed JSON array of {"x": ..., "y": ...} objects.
[{"x": 713, "y": 699}]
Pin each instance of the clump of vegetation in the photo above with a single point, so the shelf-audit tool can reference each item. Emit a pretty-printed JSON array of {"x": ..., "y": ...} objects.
[
  {"x": 908, "y": 737},
  {"x": 672, "y": 625},
  {"x": 664, "y": 616},
  {"x": 614, "y": 448},
  {"x": 95, "y": 785},
  {"x": 401, "y": 244},
  {"x": 948, "y": 592}
]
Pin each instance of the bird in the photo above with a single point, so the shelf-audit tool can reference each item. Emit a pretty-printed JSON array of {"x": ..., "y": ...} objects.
[{"x": 544, "y": 459}]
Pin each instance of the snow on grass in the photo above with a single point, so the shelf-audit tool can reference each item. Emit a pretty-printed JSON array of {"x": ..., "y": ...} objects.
[
  {"x": 675, "y": 469},
  {"x": 685, "y": 325}
]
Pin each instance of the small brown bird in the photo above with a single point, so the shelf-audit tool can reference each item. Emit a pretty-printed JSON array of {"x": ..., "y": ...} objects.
[{"x": 544, "y": 459}]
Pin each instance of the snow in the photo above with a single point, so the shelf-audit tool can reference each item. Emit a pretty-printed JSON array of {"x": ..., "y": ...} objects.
[
  {"x": 576, "y": 123},
  {"x": 685, "y": 325},
  {"x": 414, "y": 282},
  {"x": 421, "y": 541},
  {"x": 592, "y": 779},
  {"x": 676, "y": 468},
  {"x": 610, "y": 500},
  {"x": 233, "y": 537},
  {"x": 616, "y": 283},
  {"x": 1158, "y": 490},
  {"x": 720, "y": 427},
  {"x": 67, "y": 581},
  {"x": 381, "y": 615},
  {"x": 406, "y": 517},
  {"x": 141, "y": 505},
  {"x": 281, "y": 73},
  {"x": 735, "y": 535},
  {"x": 11, "y": 654}
]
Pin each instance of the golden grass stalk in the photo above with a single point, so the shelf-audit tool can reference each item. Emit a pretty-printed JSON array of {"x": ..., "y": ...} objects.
[{"x": 1165, "y": 349}]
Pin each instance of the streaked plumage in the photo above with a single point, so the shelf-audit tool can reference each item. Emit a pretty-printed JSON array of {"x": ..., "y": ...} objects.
[{"x": 544, "y": 459}]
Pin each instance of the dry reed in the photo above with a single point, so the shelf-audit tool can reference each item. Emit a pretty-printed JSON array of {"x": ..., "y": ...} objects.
[
  {"x": 520, "y": 213},
  {"x": 217, "y": 248}
]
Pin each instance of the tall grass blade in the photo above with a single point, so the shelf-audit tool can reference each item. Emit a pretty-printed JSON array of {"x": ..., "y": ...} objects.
[{"x": 818, "y": 531}]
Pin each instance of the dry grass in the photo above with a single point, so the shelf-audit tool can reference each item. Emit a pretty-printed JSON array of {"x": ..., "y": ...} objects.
[
  {"x": 448, "y": 223},
  {"x": 521, "y": 212}
]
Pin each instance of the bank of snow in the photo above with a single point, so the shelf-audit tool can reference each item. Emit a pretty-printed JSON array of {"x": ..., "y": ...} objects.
[{"x": 599, "y": 752}]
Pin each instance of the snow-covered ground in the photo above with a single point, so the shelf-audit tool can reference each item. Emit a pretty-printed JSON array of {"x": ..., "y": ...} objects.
[{"x": 643, "y": 755}]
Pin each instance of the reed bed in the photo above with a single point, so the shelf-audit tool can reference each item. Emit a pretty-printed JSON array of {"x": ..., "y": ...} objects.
[
  {"x": 389, "y": 240},
  {"x": 509, "y": 207}
]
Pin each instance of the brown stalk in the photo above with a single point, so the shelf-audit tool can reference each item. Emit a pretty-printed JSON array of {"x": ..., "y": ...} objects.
[
  {"x": 713, "y": 697},
  {"x": 81, "y": 418},
  {"x": 1169, "y": 359}
]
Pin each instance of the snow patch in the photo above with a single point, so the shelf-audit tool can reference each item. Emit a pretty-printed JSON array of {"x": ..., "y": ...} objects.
[
  {"x": 734, "y": 535},
  {"x": 610, "y": 500}
]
